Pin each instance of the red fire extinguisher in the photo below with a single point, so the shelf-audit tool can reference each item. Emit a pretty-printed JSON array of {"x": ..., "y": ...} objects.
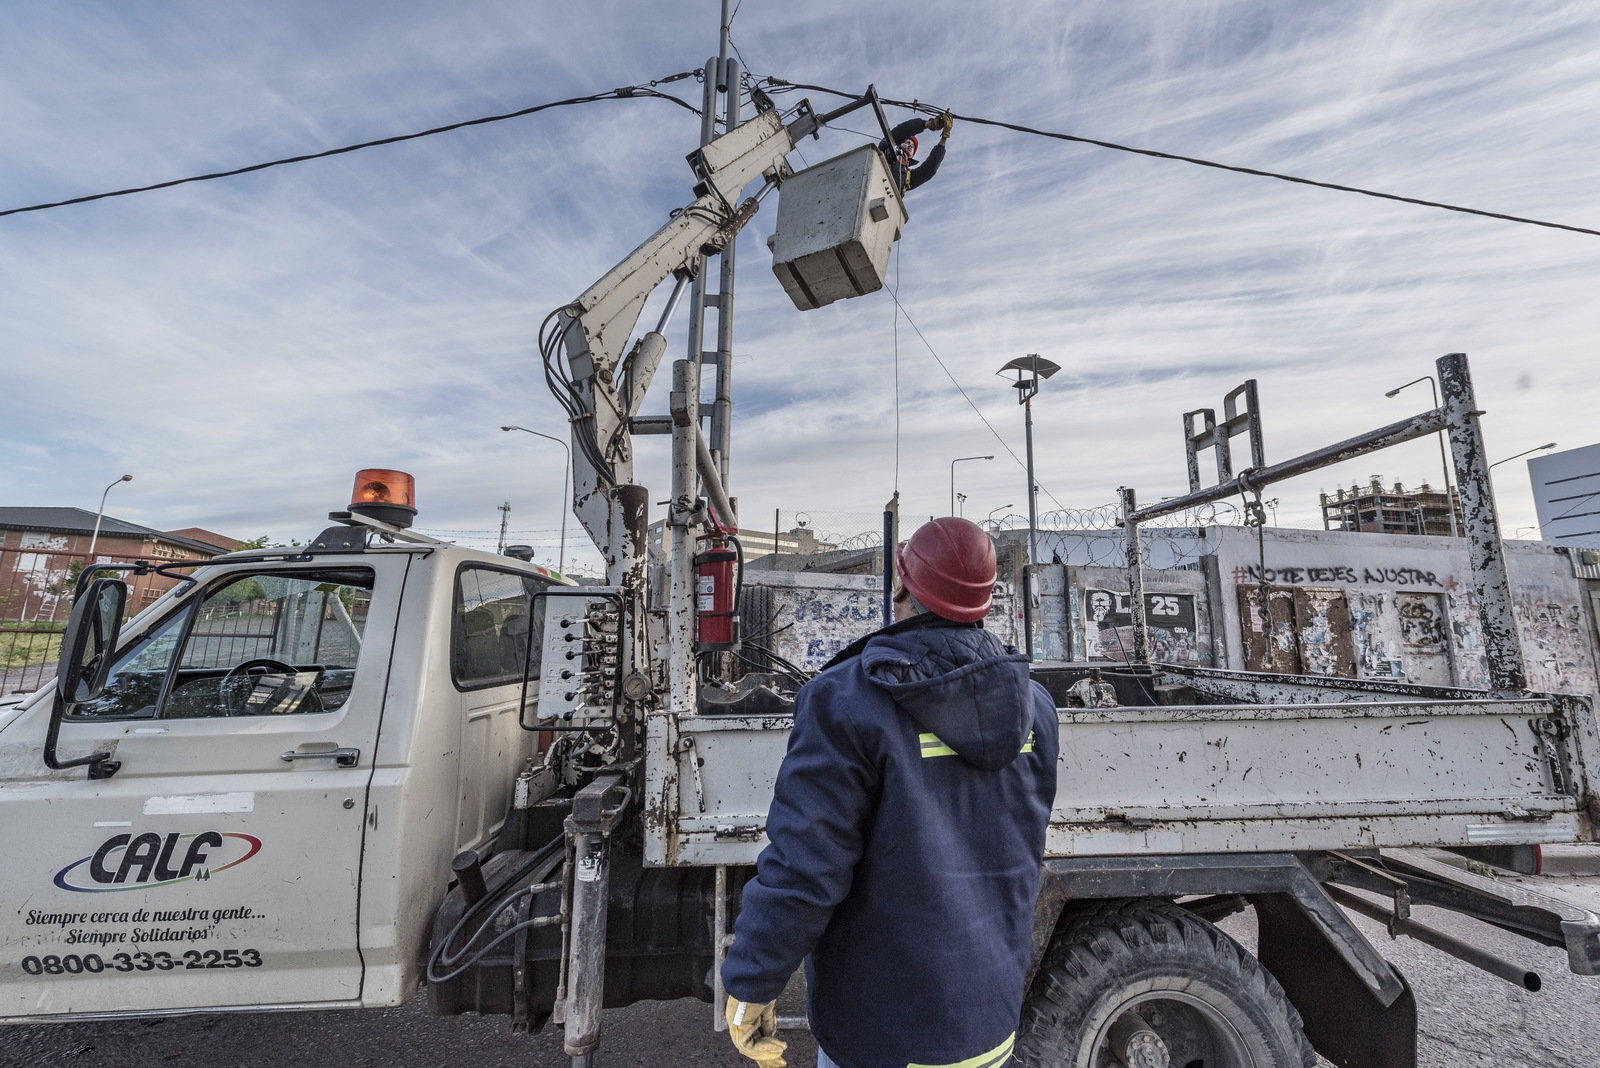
[{"x": 716, "y": 589}]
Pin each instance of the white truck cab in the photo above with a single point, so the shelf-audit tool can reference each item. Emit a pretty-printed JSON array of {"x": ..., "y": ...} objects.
[{"x": 302, "y": 740}]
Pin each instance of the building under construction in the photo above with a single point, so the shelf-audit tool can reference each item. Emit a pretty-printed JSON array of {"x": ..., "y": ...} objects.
[{"x": 1372, "y": 509}]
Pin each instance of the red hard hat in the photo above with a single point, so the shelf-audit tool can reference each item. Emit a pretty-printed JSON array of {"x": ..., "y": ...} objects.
[
  {"x": 948, "y": 565},
  {"x": 913, "y": 141}
]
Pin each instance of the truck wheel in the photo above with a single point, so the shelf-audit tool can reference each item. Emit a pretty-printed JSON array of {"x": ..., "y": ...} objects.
[{"x": 1146, "y": 984}]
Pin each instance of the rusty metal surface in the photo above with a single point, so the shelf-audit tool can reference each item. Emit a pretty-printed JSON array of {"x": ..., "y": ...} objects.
[
  {"x": 1416, "y": 426},
  {"x": 1201, "y": 778},
  {"x": 1275, "y": 633},
  {"x": 1501, "y": 641}
]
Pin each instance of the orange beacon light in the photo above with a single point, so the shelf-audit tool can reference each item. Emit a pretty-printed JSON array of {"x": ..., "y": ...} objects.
[{"x": 385, "y": 495}]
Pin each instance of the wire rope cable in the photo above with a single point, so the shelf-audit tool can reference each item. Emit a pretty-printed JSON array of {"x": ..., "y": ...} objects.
[
  {"x": 623, "y": 93},
  {"x": 964, "y": 396},
  {"x": 780, "y": 85}
]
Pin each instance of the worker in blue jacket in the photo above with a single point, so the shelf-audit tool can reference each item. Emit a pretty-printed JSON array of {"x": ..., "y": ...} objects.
[
  {"x": 906, "y": 832},
  {"x": 902, "y": 155}
]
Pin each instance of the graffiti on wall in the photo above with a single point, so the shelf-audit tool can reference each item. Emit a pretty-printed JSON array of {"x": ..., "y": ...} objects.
[
  {"x": 822, "y": 622},
  {"x": 1555, "y": 641},
  {"x": 1466, "y": 629},
  {"x": 1169, "y": 619},
  {"x": 1345, "y": 576},
  {"x": 1377, "y": 638}
]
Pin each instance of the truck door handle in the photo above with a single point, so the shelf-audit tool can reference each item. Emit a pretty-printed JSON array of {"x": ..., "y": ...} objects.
[{"x": 345, "y": 758}]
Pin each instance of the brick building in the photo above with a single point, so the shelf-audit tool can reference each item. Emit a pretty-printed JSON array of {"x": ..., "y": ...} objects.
[{"x": 42, "y": 549}]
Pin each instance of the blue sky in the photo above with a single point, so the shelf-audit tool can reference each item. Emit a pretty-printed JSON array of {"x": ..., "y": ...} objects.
[{"x": 242, "y": 346}]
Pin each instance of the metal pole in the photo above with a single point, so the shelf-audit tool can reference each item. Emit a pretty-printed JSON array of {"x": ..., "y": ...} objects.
[
  {"x": 960, "y": 460},
  {"x": 589, "y": 828},
  {"x": 95, "y": 538},
  {"x": 888, "y": 567},
  {"x": 1141, "y": 635},
  {"x": 566, "y": 485},
  {"x": 722, "y": 407},
  {"x": 1033, "y": 532},
  {"x": 1417, "y": 426},
  {"x": 1444, "y": 464},
  {"x": 685, "y": 405},
  {"x": 1501, "y": 640},
  {"x": 566, "y": 507}
]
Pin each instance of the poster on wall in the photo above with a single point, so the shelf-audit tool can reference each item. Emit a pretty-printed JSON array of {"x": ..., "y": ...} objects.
[{"x": 1170, "y": 618}]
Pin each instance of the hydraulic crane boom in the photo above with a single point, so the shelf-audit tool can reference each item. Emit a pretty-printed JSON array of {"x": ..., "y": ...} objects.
[{"x": 607, "y": 388}]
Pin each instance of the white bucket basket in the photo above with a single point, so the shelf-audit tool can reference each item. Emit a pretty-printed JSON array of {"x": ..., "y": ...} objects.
[{"x": 837, "y": 222}]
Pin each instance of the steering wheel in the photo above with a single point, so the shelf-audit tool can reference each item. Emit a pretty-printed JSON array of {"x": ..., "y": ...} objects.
[{"x": 224, "y": 686}]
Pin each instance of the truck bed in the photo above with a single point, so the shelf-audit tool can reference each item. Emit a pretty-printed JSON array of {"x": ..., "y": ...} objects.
[{"x": 1389, "y": 770}]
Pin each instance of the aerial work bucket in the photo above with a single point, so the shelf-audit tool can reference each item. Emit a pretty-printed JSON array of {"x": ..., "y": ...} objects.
[{"x": 837, "y": 222}]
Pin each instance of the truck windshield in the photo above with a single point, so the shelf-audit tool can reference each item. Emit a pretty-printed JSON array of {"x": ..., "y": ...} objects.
[{"x": 256, "y": 644}]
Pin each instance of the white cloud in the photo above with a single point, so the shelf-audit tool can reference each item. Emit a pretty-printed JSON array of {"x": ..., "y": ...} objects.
[{"x": 242, "y": 346}]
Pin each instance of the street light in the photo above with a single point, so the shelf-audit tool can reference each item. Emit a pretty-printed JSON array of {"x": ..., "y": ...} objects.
[
  {"x": 990, "y": 520},
  {"x": 566, "y": 475},
  {"x": 957, "y": 460},
  {"x": 1449, "y": 498},
  {"x": 95, "y": 538},
  {"x": 1029, "y": 370},
  {"x": 1520, "y": 455}
]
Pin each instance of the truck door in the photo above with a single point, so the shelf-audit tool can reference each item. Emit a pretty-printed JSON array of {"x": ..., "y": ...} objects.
[
  {"x": 496, "y": 613},
  {"x": 219, "y": 866}
]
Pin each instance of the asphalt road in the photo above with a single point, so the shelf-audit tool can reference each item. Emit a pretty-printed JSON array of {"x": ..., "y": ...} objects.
[{"x": 1467, "y": 1019}]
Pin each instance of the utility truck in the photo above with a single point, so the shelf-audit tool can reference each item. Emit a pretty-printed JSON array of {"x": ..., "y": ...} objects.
[{"x": 332, "y": 775}]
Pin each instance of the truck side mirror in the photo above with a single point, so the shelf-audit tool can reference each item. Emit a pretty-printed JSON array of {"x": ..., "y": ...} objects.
[
  {"x": 87, "y": 648},
  {"x": 90, "y": 641}
]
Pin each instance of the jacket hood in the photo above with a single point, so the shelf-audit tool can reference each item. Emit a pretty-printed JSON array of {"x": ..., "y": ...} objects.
[{"x": 959, "y": 683}]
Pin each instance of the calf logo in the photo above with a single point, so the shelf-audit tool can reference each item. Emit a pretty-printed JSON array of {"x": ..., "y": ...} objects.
[{"x": 141, "y": 862}]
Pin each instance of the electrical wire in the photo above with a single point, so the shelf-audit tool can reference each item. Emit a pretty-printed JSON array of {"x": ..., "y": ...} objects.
[
  {"x": 778, "y": 85},
  {"x": 897, "y": 365},
  {"x": 966, "y": 398},
  {"x": 623, "y": 93}
]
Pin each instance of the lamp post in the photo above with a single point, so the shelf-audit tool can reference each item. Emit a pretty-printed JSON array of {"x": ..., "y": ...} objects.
[
  {"x": 1029, "y": 370},
  {"x": 1444, "y": 462},
  {"x": 100, "y": 515},
  {"x": 1490, "y": 469},
  {"x": 1520, "y": 455},
  {"x": 990, "y": 520},
  {"x": 566, "y": 477},
  {"x": 957, "y": 460}
]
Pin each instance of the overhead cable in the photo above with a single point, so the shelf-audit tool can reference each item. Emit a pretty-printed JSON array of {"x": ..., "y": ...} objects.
[
  {"x": 623, "y": 93},
  {"x": 962, "y": 390},
  {"x": 1199, "y": 162}
]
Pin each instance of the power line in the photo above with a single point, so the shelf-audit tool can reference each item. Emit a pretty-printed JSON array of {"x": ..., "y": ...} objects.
[
  {"x": 1199, "y": 162},
  {"x": 968, "y": 399},
  {"x": 613, "y": 94}
]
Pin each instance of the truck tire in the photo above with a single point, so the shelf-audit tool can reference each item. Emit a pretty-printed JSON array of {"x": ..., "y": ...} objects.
[{"x": 1162, "y": 987}]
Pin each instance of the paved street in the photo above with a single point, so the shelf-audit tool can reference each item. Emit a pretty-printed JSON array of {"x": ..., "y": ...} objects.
[{"x": 1468, "y": 1020}]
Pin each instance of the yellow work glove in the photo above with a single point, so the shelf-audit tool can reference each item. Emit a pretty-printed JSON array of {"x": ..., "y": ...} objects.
[{"x": 754, "y": 1030}]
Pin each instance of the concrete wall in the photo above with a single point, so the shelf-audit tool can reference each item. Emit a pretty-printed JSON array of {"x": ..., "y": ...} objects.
[
  {"x": 1413, "y": 612},
  {"x": 813, "y": 616}
]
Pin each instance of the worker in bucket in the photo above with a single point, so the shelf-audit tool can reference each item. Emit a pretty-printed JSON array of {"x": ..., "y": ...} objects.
[
  {"x": 906, "y": 834},
  {"x": 902, "y": 156}
]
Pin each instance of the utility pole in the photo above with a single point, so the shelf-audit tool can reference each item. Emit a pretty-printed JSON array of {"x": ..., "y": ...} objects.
[{"x": 505, "y": 519}]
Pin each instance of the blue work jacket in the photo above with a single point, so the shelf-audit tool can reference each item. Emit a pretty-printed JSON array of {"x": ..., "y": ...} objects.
[{"x": 906, "y": 832}]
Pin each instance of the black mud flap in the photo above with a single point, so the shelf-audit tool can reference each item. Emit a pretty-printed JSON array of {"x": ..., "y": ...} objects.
[{"x": 1345, "y": 1021}]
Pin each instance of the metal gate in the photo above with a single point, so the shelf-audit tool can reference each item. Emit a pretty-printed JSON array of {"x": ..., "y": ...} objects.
[{"x": 35, "y": 602}]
